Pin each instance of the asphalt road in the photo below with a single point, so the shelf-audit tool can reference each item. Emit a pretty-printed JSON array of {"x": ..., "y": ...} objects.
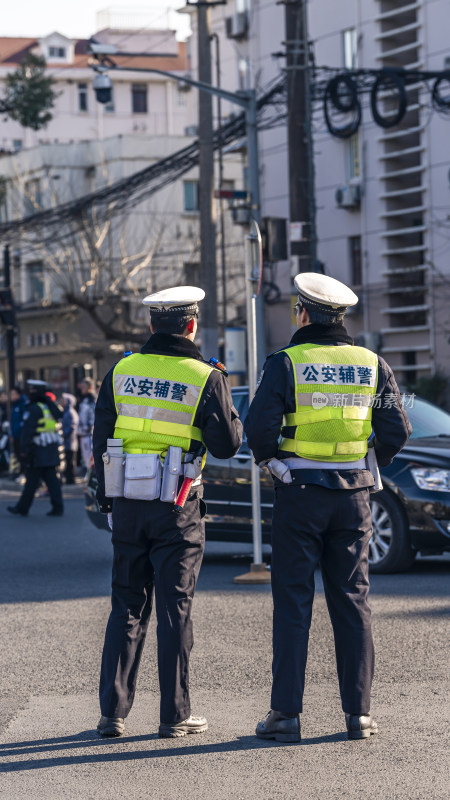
[{"x": 54, "y": 595}]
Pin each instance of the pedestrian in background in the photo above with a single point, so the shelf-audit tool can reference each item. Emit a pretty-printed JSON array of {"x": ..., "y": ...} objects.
[
  {"x": 318, "y": 394},
  {"x": 4, "y": 433},
  {"x": 86, "y": 416},
  {"x": 70, "y": 435},
  {"x": 19, "y": 403},
  {"x": 39, "y": 449}
]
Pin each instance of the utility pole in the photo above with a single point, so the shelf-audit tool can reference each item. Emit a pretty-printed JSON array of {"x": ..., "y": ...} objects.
[
  {"x": 208, "y": 268},
  {"x": 223, "y": 258},
  {"x": 302, "y": 209},
  {"x": 8, "y": 317}
]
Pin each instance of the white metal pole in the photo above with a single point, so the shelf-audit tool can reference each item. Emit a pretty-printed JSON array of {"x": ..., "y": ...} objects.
[
  {"x": 258, "y": 570},
  {"x": 252, "y": 367}
]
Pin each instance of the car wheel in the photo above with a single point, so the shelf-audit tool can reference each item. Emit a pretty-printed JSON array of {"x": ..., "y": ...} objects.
[{"x": 389, "y": 547}]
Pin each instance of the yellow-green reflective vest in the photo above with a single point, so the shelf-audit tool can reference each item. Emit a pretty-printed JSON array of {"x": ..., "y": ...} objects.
[
  {"x": 334, "y": 391},
  {"x": 156, "y": 399},
  {"x": 46, "y": 423}
]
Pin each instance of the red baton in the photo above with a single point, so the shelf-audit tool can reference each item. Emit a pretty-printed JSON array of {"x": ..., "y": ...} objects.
[{"x": 183, "y": 494}]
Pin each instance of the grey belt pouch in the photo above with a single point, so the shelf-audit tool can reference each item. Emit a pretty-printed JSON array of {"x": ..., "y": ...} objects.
[
  {"x": 142, "y": 476},
  {"x": 172, "y": 469},
  {"x": 114, "y": 468}
]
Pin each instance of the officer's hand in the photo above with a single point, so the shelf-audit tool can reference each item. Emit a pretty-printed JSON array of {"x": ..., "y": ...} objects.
[{"x": 110, "y": 520}]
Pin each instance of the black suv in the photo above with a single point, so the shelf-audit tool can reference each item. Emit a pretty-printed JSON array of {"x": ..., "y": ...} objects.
[{"x": 410, "y": 515}]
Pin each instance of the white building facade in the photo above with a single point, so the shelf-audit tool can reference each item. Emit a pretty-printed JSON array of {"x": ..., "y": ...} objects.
[
  {"x": 393, "y": 245},
  {"x": 151, "y": 244},
  {"x": 382, "y": 196},
  {"x": 142, "y": 103}
]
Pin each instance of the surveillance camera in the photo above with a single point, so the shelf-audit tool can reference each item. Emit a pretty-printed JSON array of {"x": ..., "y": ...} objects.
[
  {"x": 99, "y": 49},
  {"x": 102, "y": 86}
]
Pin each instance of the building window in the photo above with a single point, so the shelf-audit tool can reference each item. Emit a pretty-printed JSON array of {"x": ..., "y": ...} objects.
[
  {"x": 56, "y": 52},
  {"x": 355, "y": 260},
  {"x": 353, "y": 165},
  {"x": 109, "y": 107},
  {"x": 36, "y": 282},
  {"x": 82, "y": 97},
  {"x": 17, "y": 145},
  {"x": 32, "y": 198},
  {"x": 191, "y": 198},
  {"x": 139, "y": 98},
  {"x": 350, "y": 48}
]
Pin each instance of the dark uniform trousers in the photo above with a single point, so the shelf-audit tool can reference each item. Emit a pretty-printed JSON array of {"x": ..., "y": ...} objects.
[
  {"x": 314, "y": 525},
  {"x": 154, "y": 549},
  {"x": 34, "y": 475}
]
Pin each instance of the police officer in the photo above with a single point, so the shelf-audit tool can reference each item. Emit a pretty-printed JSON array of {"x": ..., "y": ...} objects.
[
  {"x": 319, "y": 394},
  {"x": 164, "y": 395},
  {"x": 39, "y": 449}
]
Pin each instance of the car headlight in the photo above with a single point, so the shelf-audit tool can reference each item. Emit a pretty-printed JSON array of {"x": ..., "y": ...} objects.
[{"x": 431, "y": 478}]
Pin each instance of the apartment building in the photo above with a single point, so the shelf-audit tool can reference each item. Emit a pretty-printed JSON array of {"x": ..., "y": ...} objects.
[
  {"x": 382, "y": 196},
  {"x": 111, "y": 259},
  {"x": 150, "y": 245},
  {"x": 142, "y": 104}
]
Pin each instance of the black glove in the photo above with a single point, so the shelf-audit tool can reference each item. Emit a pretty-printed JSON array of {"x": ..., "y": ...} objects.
[{"x": 105, "y": 503}]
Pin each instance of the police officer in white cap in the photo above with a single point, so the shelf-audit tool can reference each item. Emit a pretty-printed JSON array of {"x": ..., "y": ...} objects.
[
  {"x": 311, "y": 420},
  {"x": 165, "y": 396},
  {"x": 40, "y": 442}
]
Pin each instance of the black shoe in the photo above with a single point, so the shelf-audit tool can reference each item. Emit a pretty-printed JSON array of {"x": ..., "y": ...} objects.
[
  {"x": 54, "y": 513},
  {"x": 14, "y": 510},
  {"x": 279, "y": 727},
  {"x": 190, "y": 725},
  {"x": 360, "y": 727},
  {"x": 110, "y": 726}
]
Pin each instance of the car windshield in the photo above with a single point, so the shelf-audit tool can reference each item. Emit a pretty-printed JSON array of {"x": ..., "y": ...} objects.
[{"x": 427, "y": 419}]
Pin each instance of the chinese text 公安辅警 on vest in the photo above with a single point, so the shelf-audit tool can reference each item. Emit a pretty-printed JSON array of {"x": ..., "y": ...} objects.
[
  {"x": 156, "y": 399},
  {"x": 334, "y": 391}
]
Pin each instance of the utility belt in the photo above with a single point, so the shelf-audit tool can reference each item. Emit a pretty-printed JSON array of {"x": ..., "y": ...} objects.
[
  {"x": 281, "y": 470},
  {"x": 43, "y": 439},
  {"x": 143, "y": 476}
]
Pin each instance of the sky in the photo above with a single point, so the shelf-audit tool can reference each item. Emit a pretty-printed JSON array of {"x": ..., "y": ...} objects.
[{"x": 77, "y": 20}]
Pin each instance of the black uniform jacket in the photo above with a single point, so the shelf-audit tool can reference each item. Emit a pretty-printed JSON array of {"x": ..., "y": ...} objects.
[
  {"x": 215, "y": 416},
  {"x": 37, "y": 455},
  {"x": 276, "y": 396}
]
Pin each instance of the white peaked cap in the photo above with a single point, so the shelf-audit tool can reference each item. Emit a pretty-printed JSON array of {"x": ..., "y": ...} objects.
[
  {"x": 177, "y": 298},
  {"x": 33, "y": 382},
  {"x": 324, "y": 291}
]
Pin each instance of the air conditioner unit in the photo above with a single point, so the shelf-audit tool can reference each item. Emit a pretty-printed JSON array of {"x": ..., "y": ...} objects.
[
  {"x": 348, "y": 196},
  {"x": 191, "y": 130},
  {"x": 237, "y": 26}
]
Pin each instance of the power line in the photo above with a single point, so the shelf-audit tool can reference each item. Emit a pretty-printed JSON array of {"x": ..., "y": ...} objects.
[{"x": 129, "y": 192}]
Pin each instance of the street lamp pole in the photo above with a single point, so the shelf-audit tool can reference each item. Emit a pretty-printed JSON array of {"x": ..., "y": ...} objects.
[{"x": 245, "y": 100}]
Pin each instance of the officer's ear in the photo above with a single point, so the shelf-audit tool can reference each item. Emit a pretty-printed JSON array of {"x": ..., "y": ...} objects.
[
  {"x": 190, "y": 327},
  {"x": 305, "y": 317}
]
